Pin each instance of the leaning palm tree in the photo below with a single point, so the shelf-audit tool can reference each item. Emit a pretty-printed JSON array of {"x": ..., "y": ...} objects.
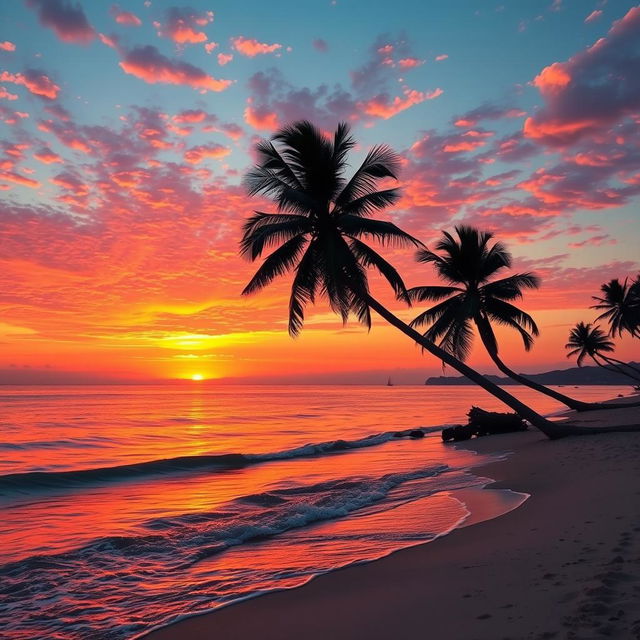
[
  {"x": 473, "y": 297},
  {"x": 319, "y": 230},
  {"x": 620, "y": 306},
  {"x": 587, "y": 340}
]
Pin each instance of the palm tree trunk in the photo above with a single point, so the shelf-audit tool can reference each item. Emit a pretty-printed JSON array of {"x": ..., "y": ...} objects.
[
  {"x": 552, "y": 430},
  {"x": 612, "y": 366},
  {"x": 489, "y": 342},
  {"x": 636, "y": 372}
]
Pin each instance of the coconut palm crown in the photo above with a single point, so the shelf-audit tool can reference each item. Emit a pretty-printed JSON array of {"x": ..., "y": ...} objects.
[
  {"x": 467, "y": 264},
  {"x": 322, "y": 220},
  {"x": 620, "y": 306},
  {"x": 587, "y": 340}
]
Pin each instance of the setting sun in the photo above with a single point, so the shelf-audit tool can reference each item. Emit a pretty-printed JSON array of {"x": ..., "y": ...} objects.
[{"x": 197, "y": 376}]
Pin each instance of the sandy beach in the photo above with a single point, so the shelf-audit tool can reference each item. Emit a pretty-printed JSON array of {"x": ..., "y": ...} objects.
[{"x": 565, "y": 564}]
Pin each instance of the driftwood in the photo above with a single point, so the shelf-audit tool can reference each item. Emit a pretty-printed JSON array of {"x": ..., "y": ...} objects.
[{"x": 482, "y": 423}]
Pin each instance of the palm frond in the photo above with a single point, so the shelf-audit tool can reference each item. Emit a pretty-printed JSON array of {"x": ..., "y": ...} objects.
[
  {"x": 431, "y": 293},
  {"x": 371, "y": 202},
  {"x": 370, "y": 258},
  {"x": 380, "y": 162},
  {"x": 276, "y": 264},
  {"x": 266, "y": 182},
  {"x": 384, "y": 232},
  {"x": 303, "y": 289},
  {"x": 265, "y": 230},
  {"x": 510, "y": 288},
  {"x": 271, "y": 160},
  {"x": 509, "y": 315}
]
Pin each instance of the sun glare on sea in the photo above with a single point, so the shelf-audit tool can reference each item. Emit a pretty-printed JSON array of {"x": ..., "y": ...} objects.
[{"x": 197, "y": 376}]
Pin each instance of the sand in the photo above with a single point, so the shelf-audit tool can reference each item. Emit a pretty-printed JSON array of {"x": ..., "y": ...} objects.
[{"x": 565, "y": 564}]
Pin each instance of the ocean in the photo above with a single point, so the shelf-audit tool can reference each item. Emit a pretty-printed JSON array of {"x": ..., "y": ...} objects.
[{"x": 125, "y": 508}]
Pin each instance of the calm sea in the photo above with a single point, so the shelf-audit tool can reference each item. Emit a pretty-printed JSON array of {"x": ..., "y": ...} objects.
[{"x": 127, "y": 507}]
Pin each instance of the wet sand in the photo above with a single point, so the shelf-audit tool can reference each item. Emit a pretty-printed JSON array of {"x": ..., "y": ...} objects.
[{"x": 565, "y": 564}]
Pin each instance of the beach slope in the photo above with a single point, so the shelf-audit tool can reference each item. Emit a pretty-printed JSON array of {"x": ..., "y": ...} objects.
[{"x": 566, "y": 564}]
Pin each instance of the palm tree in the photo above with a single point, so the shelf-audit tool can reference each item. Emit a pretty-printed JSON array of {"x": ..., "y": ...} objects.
[
  {"x": 620, "y": 305},
  {"x": 319, "y": 228},
  {"x": 471, "y": 298},
  {"x": 587, "y": 340}
]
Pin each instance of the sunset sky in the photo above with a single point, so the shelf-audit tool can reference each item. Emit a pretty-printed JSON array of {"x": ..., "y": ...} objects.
[{"x": 126, "y": 130}]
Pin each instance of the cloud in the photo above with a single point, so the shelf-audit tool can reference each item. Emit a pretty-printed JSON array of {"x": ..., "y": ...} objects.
[
  {"x": 251, "y": 48},
  {"x": 148, "y": 64},
  {"x": 261, "y": 119},
  {"x": 224, "y": 58},
  {"x": 441, "y": 57},
  {"x": 184, "y": 25},
  {"x": 7, "y": 46},
  {"x": 383, "y": 106},
  {"x": 35, "y": 81},
  {"x": 592, "y": 90},
  {"x": 67, "y": 20},
  {"x": 409, "y": 63},
  {"x": 210, "y": 46},
  {"x": 486, "y": 111},
  {"x": 6, "y": 95},
  {"x": 593, "y": 16},
  {"x": 195, "y": 155},
  {"x": 47, "y": 156},
  {"x": 594, "y": 241},
  {"x": 320, "y": 45},
  {"x": 16, "y": 178},
  {"x": 125, "y": 17}
]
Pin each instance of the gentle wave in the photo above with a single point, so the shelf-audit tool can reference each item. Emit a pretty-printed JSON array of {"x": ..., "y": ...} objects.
[
  {"x": 43, "y": 480},
  {"x": 110, "y": 569}
]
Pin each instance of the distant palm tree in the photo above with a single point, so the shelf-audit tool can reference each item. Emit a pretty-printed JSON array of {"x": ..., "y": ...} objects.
[
  {"x": 472, "y": 298},
  {"x": 620, "y": 303},
  {"x": 318, "y": 230},
  {"x": 587, "y": 340}
]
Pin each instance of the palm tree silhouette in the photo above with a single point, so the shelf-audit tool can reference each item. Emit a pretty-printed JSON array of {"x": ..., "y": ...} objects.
[
  {"x": 318, "y": 230},
  {"x": 471, "y": 299},
  {"x": 588, "y": 340},
  {"x": 620, "y": 305}
]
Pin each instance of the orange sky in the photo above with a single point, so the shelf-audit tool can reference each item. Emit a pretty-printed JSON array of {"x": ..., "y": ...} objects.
[{"x": 121, "y": 205}]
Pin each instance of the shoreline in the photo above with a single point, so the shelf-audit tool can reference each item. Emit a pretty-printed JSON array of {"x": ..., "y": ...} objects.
[{"x": 563, "y": 563}]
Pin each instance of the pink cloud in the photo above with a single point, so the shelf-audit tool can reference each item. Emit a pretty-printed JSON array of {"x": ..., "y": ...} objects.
[
  {"x": 594, "y": 241},
  {"x": 552, "y": 79},
  {"x": 409, "y": 63},
  {"x": 210, "y": 46},
  {"x": 442, "y": 56},
  {"x": 224, "y": 58},
  {"x": 47, "y": 156},
  {"x": 148, "y": 64},
  {"x": 382, "y": 106},
  {"x": 6, "y": 95},
  {"x": 190, "y": 116},
  {"x": 251, "y": 47},
  {"x": 195, "y": 155},
  {"x": 184, "y": 25},
  {"x": 261, "y": 119},
  {"x": 486, "y": 112},
  {"x": 67, "y": 21},
  {"x": 234, "y": 131},
  {"x": 593, "y": 16},
  {"x": 320, "y": 45},
  {"x": 36, "y": 82},
  {"x": 125, "y": 17},
  {"x": 16, "y": 178},
  {"x": 592, "y": 90},
  {"x": 7, "y": 46}
]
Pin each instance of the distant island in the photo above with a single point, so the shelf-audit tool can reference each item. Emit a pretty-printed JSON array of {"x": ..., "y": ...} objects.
[{"x": 573, "y": 376}]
